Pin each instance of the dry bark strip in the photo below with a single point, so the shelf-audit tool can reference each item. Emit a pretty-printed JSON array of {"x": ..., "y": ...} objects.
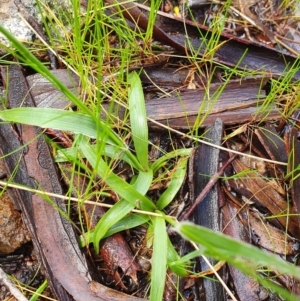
[
  {"x": 236, "y": 104},
  {"x": 269, "y": 237},
  {"x": 272, "y": 143},
  {"x": 246, "y": 287},
  {"x": 64, "y": 263},
  {"x": 261, "y": 232},
  {"x": 294, "y": 163},
  {"x": 207, "y": 213},
  {"x": 44, "y": 93}
]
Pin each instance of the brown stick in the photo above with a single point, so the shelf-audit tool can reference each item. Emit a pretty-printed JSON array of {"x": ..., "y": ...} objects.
[{"x": 210, "y": 184}]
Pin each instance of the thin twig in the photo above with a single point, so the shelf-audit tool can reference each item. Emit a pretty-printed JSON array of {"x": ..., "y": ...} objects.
[
  {"x": 215, "y": 272},
  {"x": 213, "y": 180},
  {"x": 213, "y": 145},
  {"x": 77, "y": 200},
  {"x": 12, "y": 288}
]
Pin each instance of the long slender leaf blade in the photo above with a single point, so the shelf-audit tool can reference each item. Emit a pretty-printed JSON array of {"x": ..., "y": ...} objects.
[
  {"x": 112, "y": 151},
  {"x": 52, "y": 118},
  {"x": 232, "y": 247},
  {"x": 160, "y": 162},
  {"x": 249, "y": 268},
  {"x": 138, "y": 119},
  {"x": 239, "y": 254},
  {"x": 179, "y": 268},
  {"x": 120, "y": 209},
  {"x": 131, "y": 197},
  {"x": 37, "y": 294},
  {"x": 121, "y": 187},
  {"x": 128, "y": 222},
  {"x": 175, "y": 183},
  {"x": 159, "y": 259},
  {"x": 114, "y": 214}
]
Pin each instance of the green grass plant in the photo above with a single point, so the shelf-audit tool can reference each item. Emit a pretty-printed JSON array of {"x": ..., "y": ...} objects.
[{"x": 105, "y": 142}]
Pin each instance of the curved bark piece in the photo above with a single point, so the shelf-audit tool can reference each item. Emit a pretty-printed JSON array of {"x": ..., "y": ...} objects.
[
  {"x": 30, "y": 163},
  {"x": 246, "y": 287},
  {"x": 205, "y": 163}
]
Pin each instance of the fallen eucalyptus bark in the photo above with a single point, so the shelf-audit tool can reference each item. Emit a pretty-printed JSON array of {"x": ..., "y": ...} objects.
[
  {"x": 246, "y": 287},
  {"x": 46, "y": 96},
  {"x": 293, "y": 169},
  {"x": 30, "y": 163},
  {"x": 294, "y": 163},
  {"x": 204, "y": 163},
  {"x": 237, "y": 103}
]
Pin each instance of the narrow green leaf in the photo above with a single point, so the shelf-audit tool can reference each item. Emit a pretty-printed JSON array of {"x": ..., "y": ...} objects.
[
  {"x": 179, "y": 268},
  {"x": 128, "y": 222},
  {"x": 112, "y": 151},
  {"x": 121, "y": 187},
  {"x": 120, "y": 209},
  {"x": 241, "y": 255},
  {"x": 132, "y": 195},
  {"x": 138, "y": 119},
  {"x": 249, "y": 268},
  {"x": 174, "y": 185},
  {"x": 210, "y": 239},
  {"x": 114, "y": 214},
  {"x": 37, "y": 294},
  {"x": 160, "y": 162},
  {"x": 159, "y": 259},
  {"x": 61, "y": 120}
]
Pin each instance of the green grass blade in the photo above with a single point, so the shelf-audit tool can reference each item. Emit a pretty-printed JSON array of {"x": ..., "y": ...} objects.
[
  {"x": 209, "y": 238},
  {"x": 249, "y": 268},
  {"x": 39, "y": 291},
  {"x": 159, "y": 259},
  {"x": 120, "y": 209},
  {"x": 74, "y": 122},
  {"x": 173, "y": 259},
  {"x": 138, "y": 119},
  {"x": 112, "y": 151},
  {"x": 160, "y": 162},
  {"x": 121, "y": 187},
  {"x": 60, "y": 120},
  {"x": 114, "y": 214},
  {"x": 128, "y": 222},
  {"x": 174, "y": 185},
  {"x": 244, "y": 256},
  {"x": 132, "y": 195}
]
